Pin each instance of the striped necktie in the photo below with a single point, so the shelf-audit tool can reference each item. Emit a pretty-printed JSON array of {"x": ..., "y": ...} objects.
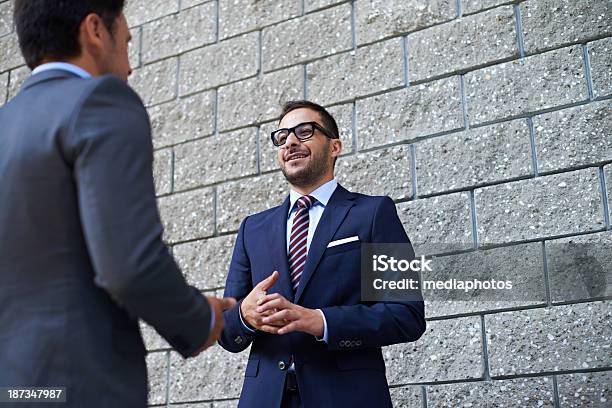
[{"x": 298, "y": 239}]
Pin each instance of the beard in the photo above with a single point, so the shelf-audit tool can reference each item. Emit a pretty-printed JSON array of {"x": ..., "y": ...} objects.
[{"x": 311, "y": 173}]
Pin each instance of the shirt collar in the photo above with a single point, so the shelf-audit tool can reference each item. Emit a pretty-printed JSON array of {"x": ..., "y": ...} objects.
[
  {"x": 321, "y": 194},
  {"x": 64, "y": 66}
]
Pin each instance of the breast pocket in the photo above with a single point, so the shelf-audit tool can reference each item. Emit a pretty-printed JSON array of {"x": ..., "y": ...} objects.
[{"x": 343, "y": 248}]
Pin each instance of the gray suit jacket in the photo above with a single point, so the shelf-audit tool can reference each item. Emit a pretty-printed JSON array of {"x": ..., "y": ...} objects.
[{"x": 81, "y": 254}]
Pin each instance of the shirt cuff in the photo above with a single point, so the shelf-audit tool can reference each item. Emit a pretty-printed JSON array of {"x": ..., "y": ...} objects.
[
  {"x": 212, "y": 320},
  {"x": 324, "y": 338},
  {"x": 243, "y": 323}
]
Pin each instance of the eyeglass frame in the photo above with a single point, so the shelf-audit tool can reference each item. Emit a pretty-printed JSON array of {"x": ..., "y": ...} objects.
[{"x": 315, "y": 126}]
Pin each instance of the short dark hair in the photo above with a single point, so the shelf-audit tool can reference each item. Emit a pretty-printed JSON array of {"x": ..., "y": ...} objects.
[
  {"x": 328, "y": 120},
  {"x": 50, "y": 28}
]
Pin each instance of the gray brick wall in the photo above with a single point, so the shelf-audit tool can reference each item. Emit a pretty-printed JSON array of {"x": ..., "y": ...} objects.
[{"x": 487, "y": 121}]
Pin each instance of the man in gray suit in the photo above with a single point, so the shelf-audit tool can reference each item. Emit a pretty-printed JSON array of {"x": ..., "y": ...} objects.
[{"x": 81, "y": 254}]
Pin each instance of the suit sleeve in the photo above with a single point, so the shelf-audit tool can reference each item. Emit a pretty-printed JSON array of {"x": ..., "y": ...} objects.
[
  {"x": 109, "y": 143},
  {"x": 377, "y": 324},
  {"x": 235, "y": 337}
]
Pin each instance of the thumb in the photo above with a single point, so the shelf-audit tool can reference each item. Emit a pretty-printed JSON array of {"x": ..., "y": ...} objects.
[
  {"x": 269, "y": 281},
  {"x": 227, "y": 303}
]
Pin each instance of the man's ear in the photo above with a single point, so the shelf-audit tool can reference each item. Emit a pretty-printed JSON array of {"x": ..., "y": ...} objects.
[
  {"x": 336, "y": 147},
  {"x": 92, "y": 30}
]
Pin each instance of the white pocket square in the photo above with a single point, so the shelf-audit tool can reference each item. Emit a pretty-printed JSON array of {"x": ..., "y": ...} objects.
[{"x": 342, "y": 241}]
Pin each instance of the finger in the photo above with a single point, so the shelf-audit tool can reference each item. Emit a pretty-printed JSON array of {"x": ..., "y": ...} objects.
[
  {"x": 291, "y": 327},
  {"x": 278, "y": 303},
  {"x": 269, "y": 312},
  {"x": 269, "y": 281},
  {"x": 260, "y": 296},
  {"x": 269, "y": 297},
  {"x": 277, "y": 324},
  {"x": 286, "y": 314},
  {"x": 269, "y": 329},
  {"x": 228, "y": 303}
]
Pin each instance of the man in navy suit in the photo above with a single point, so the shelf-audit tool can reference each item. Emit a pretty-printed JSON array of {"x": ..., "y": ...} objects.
[{"x": 295, "y": 271}]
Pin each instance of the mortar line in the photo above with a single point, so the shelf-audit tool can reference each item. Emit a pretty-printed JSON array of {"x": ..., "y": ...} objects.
[
  {"x": 215, "y": 86},
  {"x": 413, "y": 170},
  {"x": 538, "y": 112},
  {"x": 542, "y": 374},
  {"x": 302, "y": 8},
  {"x": 172, "y": 169},
  {"x": 167, "y": 378},
  {"x": 522, "y": 308},
  {"x": 217, "y": 19},
  {"x": 555, "y": 391},
  {"x": 465, "y": 189},
  {"x": 393, "y": 89},
  {"x": 215, "y": 113},
  {"x": 532, "y": 143},
  {"x": 488, "y": 8},
  {"x": 458, "y": 9},
  {"x": 215, "y": 230},
  {"x": 474, "y": 219},
  {"x": 546, "y": 275},
  {"x": 424, "y": 396},
  {"x": 141, "y": 35},
  {"x": 519, "y": 30},
  {"x": 260, "y": 55},
  {"x": 410, "y": 140},
  {"x": 466, "y": 118},
  {"x": 451, "y": 253},
  {"x": 604, "y": 195},
  {"x": 178, "y": 78},
  {"x": 353, "y": 50},
  {"x": 305, "y": 81},
  {"x": 587, "y": 70},
  {"x": 485, "y": 350},
  {"x": 353, "y": 26},
  {"x": 354, "y": 127},
  {"x": 405, "y": 60},
  {"x": 258, "y": 149}
]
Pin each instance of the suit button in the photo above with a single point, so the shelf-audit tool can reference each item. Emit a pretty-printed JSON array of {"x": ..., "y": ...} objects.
[
  {"x": 238, "y": 340},
  {"x": 282, "y": 365}
]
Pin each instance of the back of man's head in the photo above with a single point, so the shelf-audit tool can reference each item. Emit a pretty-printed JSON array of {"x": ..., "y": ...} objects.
[{"x": 49, "y": 29}]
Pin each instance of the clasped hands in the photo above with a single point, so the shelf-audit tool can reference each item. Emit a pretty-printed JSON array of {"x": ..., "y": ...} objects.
[{"x": 273, "y": 313}]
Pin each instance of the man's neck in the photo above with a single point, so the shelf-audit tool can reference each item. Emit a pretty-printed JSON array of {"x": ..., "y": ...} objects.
[{"x": 305, "y": 190}]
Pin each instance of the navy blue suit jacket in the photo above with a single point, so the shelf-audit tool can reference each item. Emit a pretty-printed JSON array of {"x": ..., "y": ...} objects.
[{"x": 349, "y": 369}]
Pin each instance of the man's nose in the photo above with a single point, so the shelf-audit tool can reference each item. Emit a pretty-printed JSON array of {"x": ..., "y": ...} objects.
[{"x": 292, "y": 140}]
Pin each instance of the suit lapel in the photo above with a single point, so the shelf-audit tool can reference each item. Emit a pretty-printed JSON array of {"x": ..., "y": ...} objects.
[
  {"x": 333, "y": 215},
  {"x": 277, "y": 239}
]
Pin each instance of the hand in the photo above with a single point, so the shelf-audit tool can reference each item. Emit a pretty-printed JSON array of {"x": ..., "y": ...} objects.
[
  {"x": 217, "y": 307},
  {"x": 289, "y": 316},
  {"x": 249, "y": 304}
]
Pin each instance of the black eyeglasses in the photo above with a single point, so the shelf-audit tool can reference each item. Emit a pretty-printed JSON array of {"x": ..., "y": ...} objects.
[{"x": 302, "y": 131}]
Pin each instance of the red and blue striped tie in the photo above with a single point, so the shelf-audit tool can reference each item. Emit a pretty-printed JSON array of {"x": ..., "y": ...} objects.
[{"x": 298, "y": 240}]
